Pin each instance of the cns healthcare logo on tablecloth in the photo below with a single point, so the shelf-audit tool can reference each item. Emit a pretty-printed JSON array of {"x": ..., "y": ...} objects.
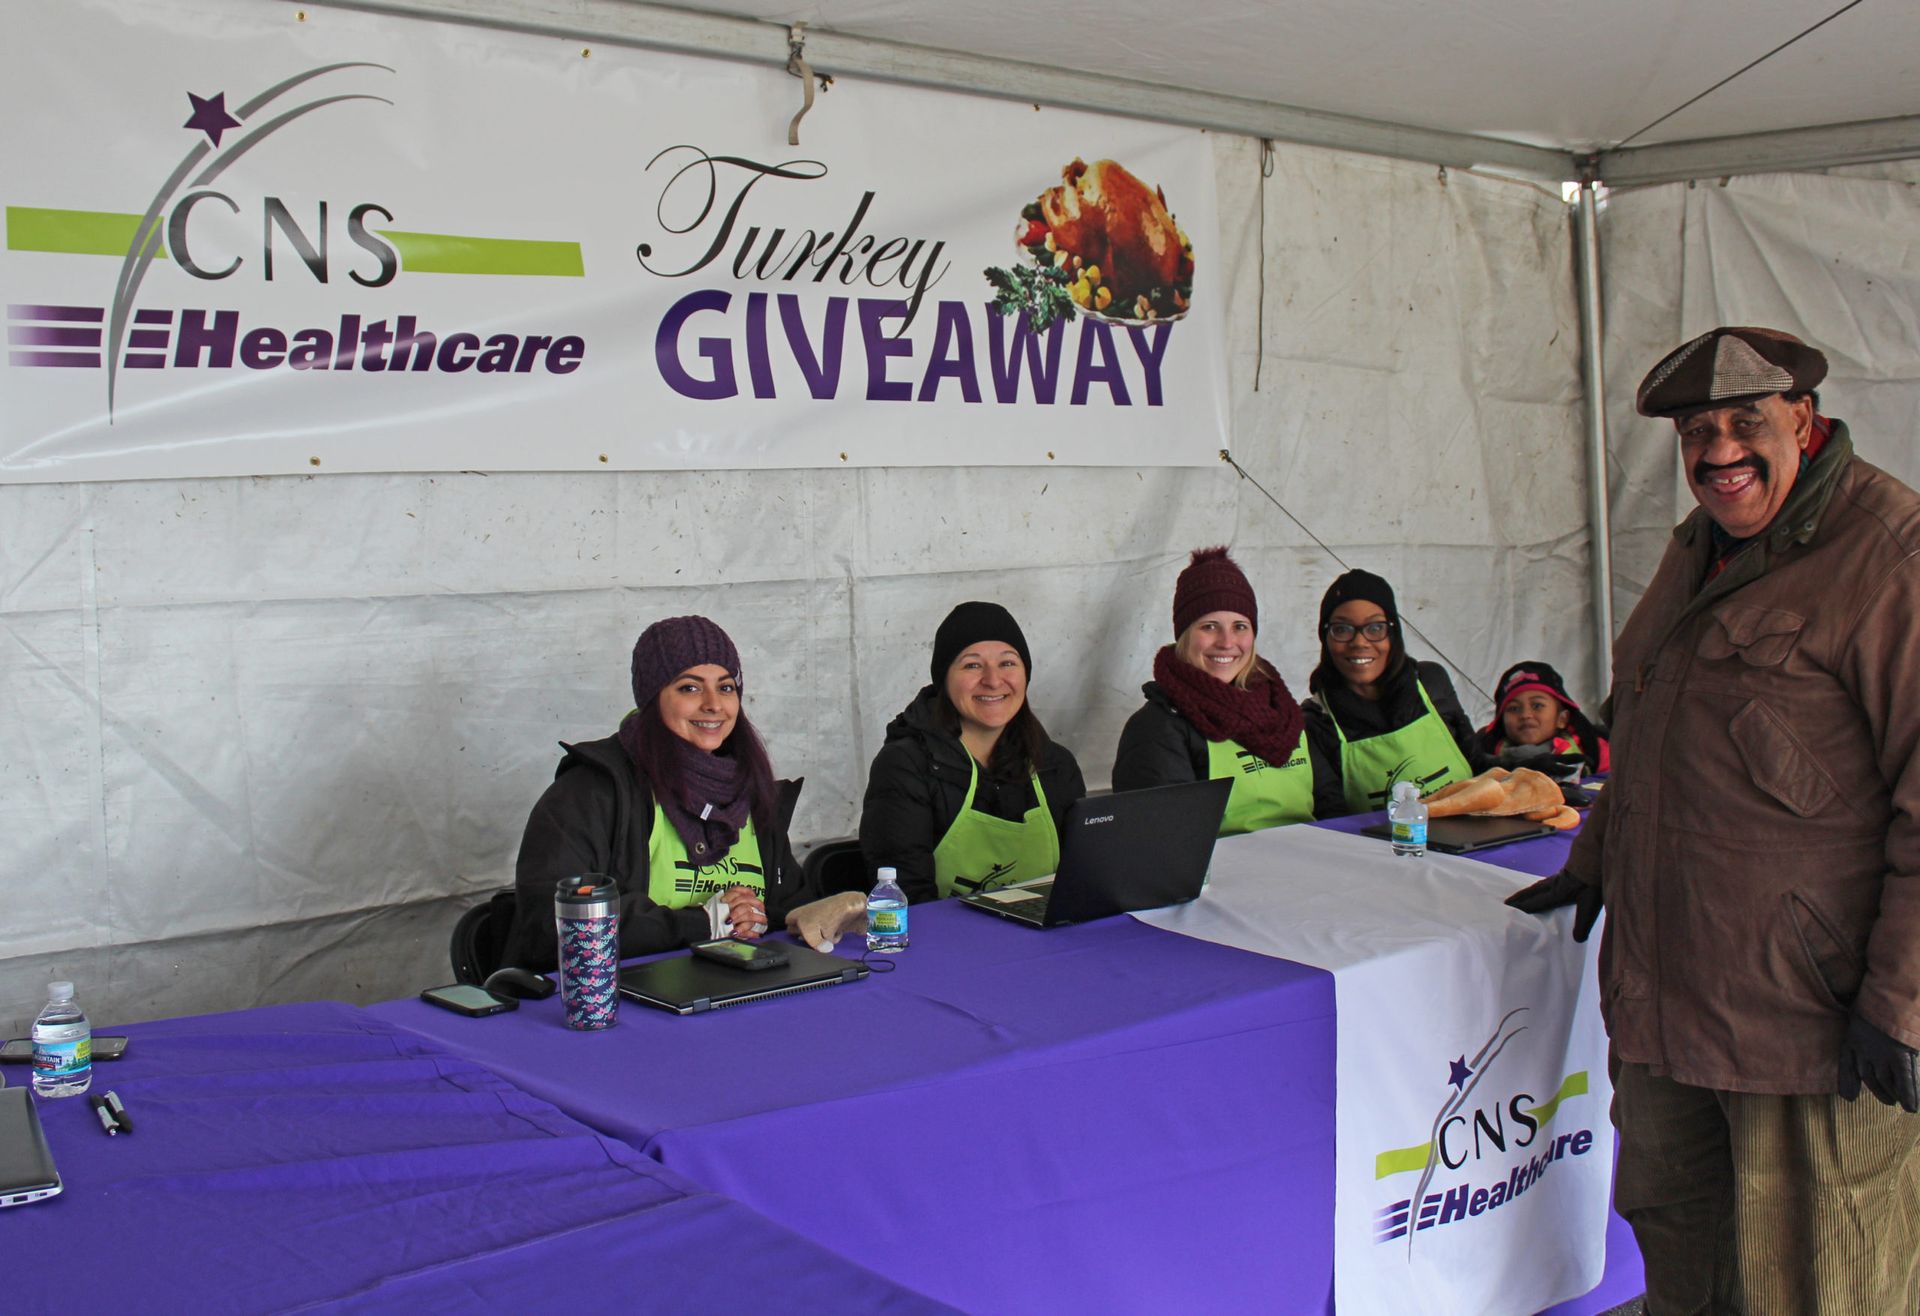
[
  {"x": 243, "y": 238},
  {"x": 1488, "y": 1144},
  {"x": 1472, "y": 1154}
]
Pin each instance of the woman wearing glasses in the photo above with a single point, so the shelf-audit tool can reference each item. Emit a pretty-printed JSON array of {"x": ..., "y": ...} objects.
[
  {"x": 1215, "y": 708},
  {"x": 1381, "y": 716}
]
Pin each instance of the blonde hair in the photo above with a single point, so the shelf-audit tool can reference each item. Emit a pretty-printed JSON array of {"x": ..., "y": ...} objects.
[{"x": 1249, "y": 673}]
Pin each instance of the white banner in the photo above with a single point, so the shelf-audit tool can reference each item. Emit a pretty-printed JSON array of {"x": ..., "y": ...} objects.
[
  {"x": 1473, "y": 1152},
  {"x": 246, "y": 238}
]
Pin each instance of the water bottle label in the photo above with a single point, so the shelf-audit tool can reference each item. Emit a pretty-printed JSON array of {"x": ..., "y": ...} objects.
[
  {"x": 63, "y": 1059},
  {"x": 886, "y": 922},
  {"x": 1410, "y": 833}
]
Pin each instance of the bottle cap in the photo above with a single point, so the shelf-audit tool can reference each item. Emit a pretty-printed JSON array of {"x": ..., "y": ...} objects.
[
  {"x": 1404, "y": 791},
  {"x": 59, "y": 991},
  {"x": 887, "y": 874}
]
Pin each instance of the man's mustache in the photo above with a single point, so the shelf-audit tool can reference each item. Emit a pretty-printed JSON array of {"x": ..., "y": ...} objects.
[{"x": 1704, "y": 470}]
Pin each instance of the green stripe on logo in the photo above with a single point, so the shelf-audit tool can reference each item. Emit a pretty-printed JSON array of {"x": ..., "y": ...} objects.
[
  {"x": 1574, "y": 1086},
  {"x": 74, "y": 232},
  {"x": 447, "y": 253},
  {"x": 1402, "y": 1160}
]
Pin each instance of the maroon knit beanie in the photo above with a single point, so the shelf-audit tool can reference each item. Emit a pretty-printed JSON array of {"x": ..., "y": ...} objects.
[
  {"x": 1212, "y": 582},
  {"x": 668, "y": 648}
]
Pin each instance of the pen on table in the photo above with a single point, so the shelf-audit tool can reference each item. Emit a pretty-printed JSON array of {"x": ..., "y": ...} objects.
[
  {"x": 120, "y": 1116},
  {"x": 107, "y": 1122}
]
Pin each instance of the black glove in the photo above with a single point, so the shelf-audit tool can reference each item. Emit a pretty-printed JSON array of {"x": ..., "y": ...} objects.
[
  {"x": 1563, "y": 888},
  {"x": 1885, "y": 1065}
]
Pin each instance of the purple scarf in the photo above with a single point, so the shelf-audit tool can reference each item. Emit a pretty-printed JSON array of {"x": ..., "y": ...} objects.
[
  {"x": 712, "y": 801},
  {"x": 1264, "y": 717}
]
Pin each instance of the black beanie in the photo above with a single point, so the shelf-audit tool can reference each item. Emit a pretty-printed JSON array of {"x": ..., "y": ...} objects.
[
  {"x": 1358, "y": 584},
  {"x": 969, "y": 624}
]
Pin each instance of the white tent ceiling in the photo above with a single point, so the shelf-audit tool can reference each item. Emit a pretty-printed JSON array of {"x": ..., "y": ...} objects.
[
  {"x": 1521, "y": 85},
  {"x": 1569, "y": 74}
]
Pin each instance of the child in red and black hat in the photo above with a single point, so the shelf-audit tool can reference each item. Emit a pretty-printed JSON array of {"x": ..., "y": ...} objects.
[{"x": 1533, "y": 716}]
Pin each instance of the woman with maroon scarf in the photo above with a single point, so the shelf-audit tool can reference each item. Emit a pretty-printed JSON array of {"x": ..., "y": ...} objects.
[{"x": 1215, "y": 708}]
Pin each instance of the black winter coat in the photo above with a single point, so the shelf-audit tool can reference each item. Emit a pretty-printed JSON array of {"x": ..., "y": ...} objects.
[
  {"x": 1362, "y": 719},
  {"x": 1159, "y": 747},
  {"x": 918, "y": 783},
  {"x": 597, "y": 817}
]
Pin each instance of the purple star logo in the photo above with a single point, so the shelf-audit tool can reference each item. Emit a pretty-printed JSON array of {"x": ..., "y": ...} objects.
[
  {"x": 1457, "y": 1072},
  {"x": 210, "y": 115}
]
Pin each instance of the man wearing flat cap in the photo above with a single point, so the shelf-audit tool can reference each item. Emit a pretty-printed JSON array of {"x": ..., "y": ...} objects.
[{"x": 1758, "y": 850}]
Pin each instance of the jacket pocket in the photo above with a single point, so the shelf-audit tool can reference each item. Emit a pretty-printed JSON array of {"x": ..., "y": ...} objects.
[
  {"x": 1777, "y": 763},
  {"x": 1762, "y": 637},
  {"x": 1829, "y": 955}
]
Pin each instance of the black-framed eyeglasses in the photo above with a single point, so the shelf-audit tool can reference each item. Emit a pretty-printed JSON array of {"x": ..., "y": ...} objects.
[{"x": 1342, "y": 631}]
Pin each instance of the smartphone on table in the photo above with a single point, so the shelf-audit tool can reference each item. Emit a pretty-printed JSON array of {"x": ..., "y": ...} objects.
[
  {"x": 465, "y": 998},
  {"x": 19, "y": 1051}
]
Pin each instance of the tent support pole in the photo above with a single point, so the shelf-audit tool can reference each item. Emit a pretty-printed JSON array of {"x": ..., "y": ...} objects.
[{"x": 1593, "y": 379}]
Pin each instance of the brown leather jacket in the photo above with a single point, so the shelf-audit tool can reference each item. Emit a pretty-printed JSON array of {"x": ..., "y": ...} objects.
[{"x": 1759, "y": 842}]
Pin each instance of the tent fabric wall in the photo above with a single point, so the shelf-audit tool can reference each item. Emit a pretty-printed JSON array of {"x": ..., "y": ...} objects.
[
  {"x": 1832, "y": 257},
  {"x": 262, "y": 738}
]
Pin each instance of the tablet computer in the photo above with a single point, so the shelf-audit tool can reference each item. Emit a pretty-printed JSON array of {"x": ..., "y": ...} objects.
[{"x": 1463, "y": 834}]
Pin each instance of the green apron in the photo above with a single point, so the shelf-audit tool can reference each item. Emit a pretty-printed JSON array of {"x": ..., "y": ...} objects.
[
  {"x": 674, "y": 880},
  {"x": 1264, "y": 794},
  {"x": 1423, "y": 752},
  {"x": 981, "y": 851}
]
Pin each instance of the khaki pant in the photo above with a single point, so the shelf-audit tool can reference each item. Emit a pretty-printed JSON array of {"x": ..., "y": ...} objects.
[{"x": 1768, "y": 1206}]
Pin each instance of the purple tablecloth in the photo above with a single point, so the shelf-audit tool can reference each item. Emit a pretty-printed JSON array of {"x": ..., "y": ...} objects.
[
  {"x": 1098, "y": 1118},
  {"x": 311, "y": 1156}
]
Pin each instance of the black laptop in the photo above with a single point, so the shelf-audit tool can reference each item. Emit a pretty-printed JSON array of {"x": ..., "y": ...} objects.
[
  {"x": 1129, "y": 850},
  {"x": 26, "y": 1163},
  {"x": 687, "y": 984},
  {"x": 1465, "y": 833}
]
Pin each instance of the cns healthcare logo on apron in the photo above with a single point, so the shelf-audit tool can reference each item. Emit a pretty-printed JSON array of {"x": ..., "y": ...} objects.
[{"x": 1488, "y": 1144}]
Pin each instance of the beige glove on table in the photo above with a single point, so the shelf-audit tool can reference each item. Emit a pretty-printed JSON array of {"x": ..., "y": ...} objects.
[{"x": 826, "y": 920}]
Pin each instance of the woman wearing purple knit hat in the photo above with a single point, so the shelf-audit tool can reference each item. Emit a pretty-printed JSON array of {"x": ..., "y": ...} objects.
[
  {"x": 680, "y": 807},
  {"x": 968, "y": 791},
  {"x": 1215, "y": 708}
]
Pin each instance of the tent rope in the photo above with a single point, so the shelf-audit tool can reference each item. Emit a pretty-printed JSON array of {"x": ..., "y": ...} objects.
[
  {"x": 798, "y": 66},
  {"x": 1737, "y": 72},
  {"x": 1227, "y": 457},
  {"x": 1260, "y": 304}
]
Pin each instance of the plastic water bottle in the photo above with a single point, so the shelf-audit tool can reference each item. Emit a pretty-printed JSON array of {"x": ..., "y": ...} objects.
[
  {"x": 1407, "y": 816},
  {"x": 62, "y": 1046},
  {"x": 887, "y": 914}
]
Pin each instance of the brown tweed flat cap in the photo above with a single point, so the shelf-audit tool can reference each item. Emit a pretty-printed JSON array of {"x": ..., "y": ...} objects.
[{"x": 1728, "y": 365}]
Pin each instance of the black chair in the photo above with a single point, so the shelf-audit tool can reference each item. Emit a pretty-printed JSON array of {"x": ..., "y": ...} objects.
[
  {"x": 837, "y": 866},
  {"x": 480, "y": 937}
]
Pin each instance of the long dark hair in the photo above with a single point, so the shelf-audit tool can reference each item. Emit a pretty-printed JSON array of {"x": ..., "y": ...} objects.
[
  {"x": 658, "y": 758},
  {"x": 1022, "y": 741}
]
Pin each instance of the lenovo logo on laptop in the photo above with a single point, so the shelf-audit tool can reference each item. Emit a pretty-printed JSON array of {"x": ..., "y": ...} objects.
[{"x": 1105, "y": 817}]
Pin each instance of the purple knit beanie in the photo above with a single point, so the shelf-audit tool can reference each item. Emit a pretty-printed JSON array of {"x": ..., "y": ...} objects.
[{"x": 668, "y": 648}]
